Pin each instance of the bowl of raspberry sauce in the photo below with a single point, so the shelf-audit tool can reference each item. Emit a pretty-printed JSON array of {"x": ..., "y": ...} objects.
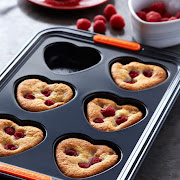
[{"x": 155, "y": 23}]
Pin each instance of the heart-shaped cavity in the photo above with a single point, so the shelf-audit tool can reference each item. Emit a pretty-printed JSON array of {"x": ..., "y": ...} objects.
[
  {"x": 105, "y": 115},
  {"x": 137, "y": 76},
  {"x": 65, "y": 58},
  {"x": 79, "y": 158},
  {"x": 15, "y": 139},
  {"x": 35, "y": 95}
]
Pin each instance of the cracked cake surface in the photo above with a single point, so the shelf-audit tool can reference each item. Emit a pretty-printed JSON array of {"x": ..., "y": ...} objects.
[
  {"x": 36, "y": 95},
  {"x": 78, "y": 158},
  {"x": 15, "y": 139},
  {"x": 106, "y": 115},
  {"x": 137, "y": 76}
]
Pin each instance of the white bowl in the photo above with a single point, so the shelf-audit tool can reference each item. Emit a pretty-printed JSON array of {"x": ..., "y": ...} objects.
[{"x": 156, "y": 34}]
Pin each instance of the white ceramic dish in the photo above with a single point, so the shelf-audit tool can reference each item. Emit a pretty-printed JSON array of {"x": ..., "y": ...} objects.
[{"x": 156, "y": 34}]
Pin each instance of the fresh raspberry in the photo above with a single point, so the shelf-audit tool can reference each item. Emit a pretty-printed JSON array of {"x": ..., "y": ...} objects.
[
  {"x": 117, "y": 21},
  {"x": 146, "y": 10},
  {"x": 9, "y": 130},
  {"x": 130, "y": 82},
  {"x": 46, "y": 93},
  {"x": 172, "y": 18},
  {"x": 71, "y": 152},
  {"x": 109, "y": 111},
  {"x": 99, "y": 27},
  {"x": 153, "y": 16},
  {"x": 164, "y": 19},
  {"x": 121, "y": 119},
  {"x": 95, "y": 160},
  {"x": 109, "y": 10},
  {"x": 98, "y": 120},
  {"x": 84, "y": 165},
  {"x": 49, "y": 102},
  {"x": 166, "y": 15},
  {"x": 157, "y": 7},
  {"x": 10, "y": 147},
  {"x": 178, "y": 15},
  {"x": 63, "y": 2},
  {"x": 141, "y": 15},
  {"x": 133, "y": 73},
  {"x": 19, "y": 135},
  {"x": 147, "y": 73},
  {"x": 83, "y": 24},
  {"x": 100, "y": 17},
  {"x": 29, "y": 96}
]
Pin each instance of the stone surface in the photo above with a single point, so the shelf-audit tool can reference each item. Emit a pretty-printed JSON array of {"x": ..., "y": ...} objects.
[{"x": 21, "y": 20}]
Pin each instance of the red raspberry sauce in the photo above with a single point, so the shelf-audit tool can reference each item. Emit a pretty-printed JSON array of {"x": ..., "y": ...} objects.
[
  {"x": 46, "y": 93},
  {"x": 120, "y": 120},
  {"x": 19, "y": 135},
  {"x": 10, "y": 147},
  {"x": 98, "y": 120},
  {"x": 109, "y": 111},
  {"x": 49, "y": 102},
  {"x": 29, "y": 96},
  {"x": 84, "y": 165},
  {"x": 133, "y": 73},
  {"x": 71, "y": 152},
  {"x": 9, "y": 130}
]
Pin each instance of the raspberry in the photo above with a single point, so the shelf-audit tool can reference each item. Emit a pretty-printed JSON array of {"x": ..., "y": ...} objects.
[
  {"x": 83, "y": 24},
  {"x": 19, "y": 135},
  {"x": 133, "y": 73},
  {"x": 9, "y": 130},
  {"x": 71, "y": 152},
  {"x": 130, "y": 82},
  {"x": 153, "y": 16},
  {"x": 146, "y": 10},
  {"x": 164, "y": 19},
  {"x": 172, "y": 18},
  {"x": 117, "y": 22},
  {"x": 10, "y": 147},
  {"x": 95, "y": 160},
  {"x": 49, "y": 102},
  {"x": 157, "y": 7},
  {"x": 178, "y": 15},
  {"x": 98, "y": 120},
  {"x": 46, "y": 93},
  {"x": 147, "y": 73},
  {"x": 99, "y": 26},
  {"x": 121, "y": 119},
  {"x": 84, "y": 165},
  {"x": 109, "y": 10},
  {"x": 109, "y": 111},
  {"x": 166, "y": 15},
  {"x": 29, "y": 96},
  {"x": 141, "y": 15},
  {"x": 100, "y": 17}
]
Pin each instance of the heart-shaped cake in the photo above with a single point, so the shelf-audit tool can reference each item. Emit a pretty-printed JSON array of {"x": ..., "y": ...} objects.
[
  {"x": 15, "y": 139},
  {"x": 137, "y": 76},
  {"x": 106, "y": 115},
  {"x": 78, "y": 158},
  {"x": 36, "y": 95}
]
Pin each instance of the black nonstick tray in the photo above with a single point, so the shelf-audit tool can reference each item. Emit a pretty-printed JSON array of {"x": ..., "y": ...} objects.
[{"x": 72, "y": 57}]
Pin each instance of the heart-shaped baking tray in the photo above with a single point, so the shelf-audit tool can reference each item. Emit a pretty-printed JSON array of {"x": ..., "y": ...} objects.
[{"x": 83, "y": 60}]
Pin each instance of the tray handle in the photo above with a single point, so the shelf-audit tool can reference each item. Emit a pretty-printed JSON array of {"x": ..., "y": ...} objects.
[
  {"x": 22, "y": 173},
  {"x": 117, "y": 42}
]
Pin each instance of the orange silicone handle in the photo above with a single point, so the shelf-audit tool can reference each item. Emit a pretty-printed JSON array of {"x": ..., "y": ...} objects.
[
  {"x": 22, "y": 173},
  {"x": 117, "y": 42}
]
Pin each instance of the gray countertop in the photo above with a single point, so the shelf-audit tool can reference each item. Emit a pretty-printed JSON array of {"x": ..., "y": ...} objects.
[{"x": 21, "y": 20}]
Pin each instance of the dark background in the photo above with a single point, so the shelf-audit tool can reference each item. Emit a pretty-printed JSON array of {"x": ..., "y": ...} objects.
[{"x": 21, "y": 20}]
